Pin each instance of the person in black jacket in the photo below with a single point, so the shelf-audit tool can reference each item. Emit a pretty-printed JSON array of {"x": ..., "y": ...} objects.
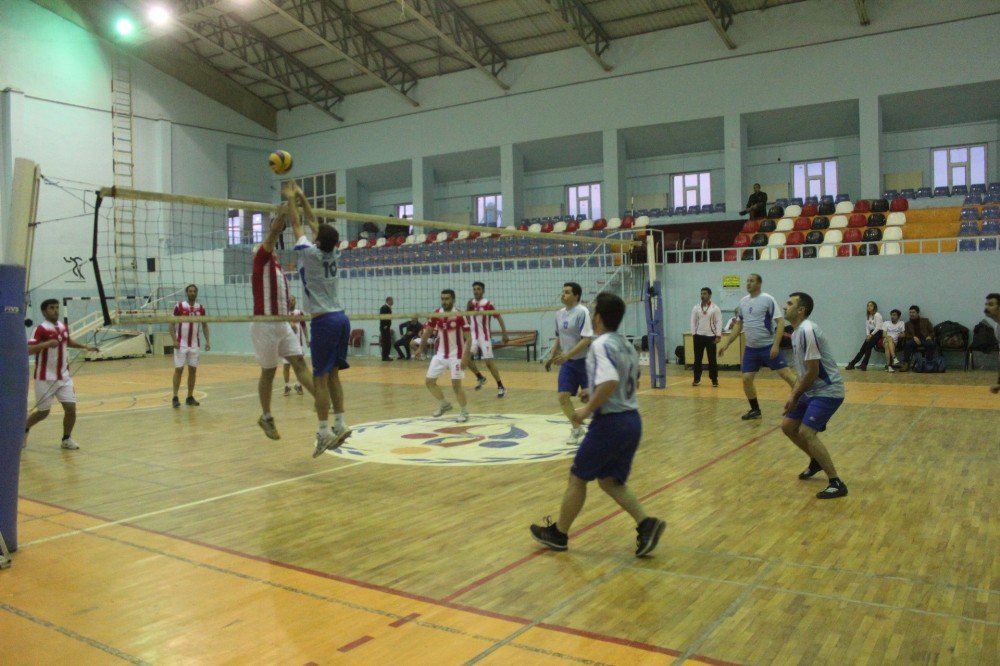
[
  {"x": 385, "y": 329},
  {"x": 756, "y": 204},
  {"x": 408, "y": 330}
]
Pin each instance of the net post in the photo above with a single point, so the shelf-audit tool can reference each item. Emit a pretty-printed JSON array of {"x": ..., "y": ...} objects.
[
  {"x": 93, "y": 260},
  {"x": 652, "y": 298}
]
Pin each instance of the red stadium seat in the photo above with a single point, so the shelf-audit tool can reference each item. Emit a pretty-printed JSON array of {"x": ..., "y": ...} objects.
[
  {"x": 791, "y": 253},
  {"x": 523, "y": 226},
  {"x": 810, "y": 210},
  {"x": 863, "y": 206},
  {"x": 475, "y": 234},
  {"x": 547, "y": 228},
  {"x": 795, "y": 238},
  {"x": 600, "y": 224},
  {"x": 572, "y": 226},
  {"x": 858, "y": 220},
  {"x": 741, "y": 240},
  {"x": 628, "y": 222},
  {"x": 803, "y": 224},
  {"x": 353, "y": 244},
  {"x": 844, "y": 251},
  {"x": 899, "y": 204},
  {"x": 452, "y": 235},
  {"x": 852, "y": 235},
  {"x": 729, "y": 255},
  {"x": 751, "y": 226}
]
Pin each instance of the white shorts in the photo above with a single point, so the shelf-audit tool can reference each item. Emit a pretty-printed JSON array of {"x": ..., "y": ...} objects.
[
  {"x": 484, "y": 346},
  {"x": 439, "y": 364},
  {"x": 273, "y": 341},
  {"x": 186, "y": 356},
  {"x": 47, "y": 390}
]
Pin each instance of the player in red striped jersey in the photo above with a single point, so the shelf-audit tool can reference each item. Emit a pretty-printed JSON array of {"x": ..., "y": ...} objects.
[
  {"x": 449, "y": 354},
  {"x": 187, "y": 342},
  {"x": 52, "y": 379},
  {"x": 481, "y": 340}
]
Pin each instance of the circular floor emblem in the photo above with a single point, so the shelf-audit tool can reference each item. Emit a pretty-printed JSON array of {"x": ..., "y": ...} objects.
[{"x": 485, "y": 439}]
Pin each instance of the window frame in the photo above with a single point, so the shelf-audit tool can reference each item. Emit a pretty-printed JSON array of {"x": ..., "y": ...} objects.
[
  {"x": 968, "y": 164},
  {"x": 593, "y": 199},
  {"x": 823, "y": 178},
  {"x": 702, "y": 188},
  {"x": 479, "y": 202}
]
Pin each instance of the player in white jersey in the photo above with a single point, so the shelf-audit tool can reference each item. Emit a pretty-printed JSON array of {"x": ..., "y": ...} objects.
[
  {"x": 479, "y": 326},
  {"x": 891, "y": 330},
  {"x": 758, "y": 315},
  {"x": 452, "y": 341},
  {"x": 573, "y": 334},
  {"x": 301, "y": 331},
  {"x": 611, "y": 441},
  {"x": 187, "y": 343},
  {"x": 48, "y": 344},
  {"x": 817, "y": 394}
]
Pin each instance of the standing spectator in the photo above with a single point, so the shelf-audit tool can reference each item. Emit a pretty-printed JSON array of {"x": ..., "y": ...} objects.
[
  {"x": 817, "y": 394},
  {"x": 408, "y": 330},
  {"x": 890, "y": 338},
  {"x": 758, "y": 314},
  {"x": 873, "y": 333},
  {"x": 52, "y": 379},
  {"x": 385, "y": 329},
  {"x": 918, "y": 335},
  {"x": 992, "y": 312},
  {"x": 756, "y": 203},
  {"x": 706, "y": 331},
  {"x": 187, "y": 343}
]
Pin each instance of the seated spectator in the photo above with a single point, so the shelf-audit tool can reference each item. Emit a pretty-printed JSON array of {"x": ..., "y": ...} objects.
[
  {"x": 369, "y": 230},
  {"x": 393, "y": 230},
  {"x": 918, "y": 335},
  {"x": 756, "y": 204},
  {"x": 409, "y": 330},
  {"x": 891, "y": 330},
  {"x": 873, "y": 333}
]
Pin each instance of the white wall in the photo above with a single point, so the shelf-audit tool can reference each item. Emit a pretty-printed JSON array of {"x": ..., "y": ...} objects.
[
  {"x": 911, "y": 151},
  {"x": 773, "y": 164}
]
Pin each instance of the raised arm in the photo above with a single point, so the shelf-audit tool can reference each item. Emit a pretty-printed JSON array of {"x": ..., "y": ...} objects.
[
  {"x": 274, "y": 231},
  {"x": 307, "y": 210}
]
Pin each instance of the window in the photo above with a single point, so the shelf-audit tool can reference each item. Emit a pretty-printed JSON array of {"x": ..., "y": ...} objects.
[
  {"x": 243, "y": 227},
  {"x": 959, "y": 165},
  {"x": 404, "y": 211},
  {"x": 692, "y": 189},
  {"x": 488, "y": 210},
  {"x": 584, "y": 200},
  {"x": 320, "y": 190},
  {"x": 814, "y": 179}
]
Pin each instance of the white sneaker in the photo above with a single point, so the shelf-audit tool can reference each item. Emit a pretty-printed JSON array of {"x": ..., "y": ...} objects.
[
  {"x": 574, "y": 437},
  {"x": 288, "y": 390},
  {"x": 298, "y": 389},
  {"x": 890, "y": 369},
  {"x": 69, "y": 444},
  {"x": 330, "y": 441},
  {"x": 462, "y": 417},
  {"x": 446, "y": 407}
]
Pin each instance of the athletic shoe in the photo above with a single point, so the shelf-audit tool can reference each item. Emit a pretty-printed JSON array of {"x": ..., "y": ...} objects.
[
  {"x": 267, "y": 425},
  {"x": 480, "y": 382},
  {"x": 288, "y": 390},
  {"x": 330, "y": 441},
  {"x": 715, "y": 384},
  {"x": 751, "y": 415},
  {"x": 850, "y": 366},
  {"x": 176, "y": 402},
  {"x": 298, "y": 389},
  {"x": 890, "y": 369},
  {"x": 446, "y": 407},
  {"x": 191, "y": 402},
  {"x": 549, "y": 535},
  {"x": 811, "y": 471},
  {"x": 648, "y": 534},
  {"x": 574, "y": 437},
  {"x": 831, "y": 491},
  {"x": 462, "y": 417},
  {"x": 863, "y": 368},
  {"x": 501, "y": 391},
  {"x": 696, "y": 383},
  {"x": 69, "y": 444}
]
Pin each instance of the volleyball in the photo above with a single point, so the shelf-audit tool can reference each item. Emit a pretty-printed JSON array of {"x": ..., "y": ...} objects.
[{"x": 280, "y": 161}]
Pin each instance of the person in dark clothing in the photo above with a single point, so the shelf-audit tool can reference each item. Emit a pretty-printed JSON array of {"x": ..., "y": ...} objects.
[
  {"x": 409, "y": 330},
  {"x": 917, "y": 336},
  {"x": 385, "y": 329},
  {"x": 756, "y": 204},
  {"x": 392, "y": 230}
]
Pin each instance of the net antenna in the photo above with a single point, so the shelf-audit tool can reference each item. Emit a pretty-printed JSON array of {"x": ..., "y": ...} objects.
[{"x": 209, "y": 242}]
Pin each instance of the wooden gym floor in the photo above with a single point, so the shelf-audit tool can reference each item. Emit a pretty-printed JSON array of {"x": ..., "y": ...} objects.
[{"x": 185, "y": 536}]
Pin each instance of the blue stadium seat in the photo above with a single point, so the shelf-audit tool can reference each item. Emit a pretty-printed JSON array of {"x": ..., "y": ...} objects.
[
  {"x": 783, "y": 202},
  {"x": 707, "y": 208},
  {"x": 988, "y": 244},
  {"x": 924, "y": 193},
  {"x": 942, "y": 191},
  {"x": 992, "y": 198},
  {"x": 968, "y": 228},
  {"x": 797, "y": 201},
  {"x": 994, "y": 188},
  {"x": 972, "y": 200},
  {"x": 890, "y": 194},
  {"x": 991, "y": 212},
  {"x": 969, "y": 214},
  {"x": 680, "y": 210},
  {"x": 959, "y": 191},
  {"x": 720, "y": 207},
  {"x": 967, "y": 245},
  {"x": 826, "y": 198},
  {"x": 978, "y": 188},
  {"x": 843, "y": 196},
  {"x": 693, "y": 210},
  {"x": 908, "y": 193},
  {"x": 812, "y": 200},
  {"x": 991, "y": 227}
]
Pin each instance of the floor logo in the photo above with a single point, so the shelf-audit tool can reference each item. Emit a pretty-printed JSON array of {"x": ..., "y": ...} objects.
[{"x": 496, "y": 439}]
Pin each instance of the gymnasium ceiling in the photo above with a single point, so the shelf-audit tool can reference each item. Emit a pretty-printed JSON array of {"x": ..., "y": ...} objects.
[{"x": 261, "y": 56}]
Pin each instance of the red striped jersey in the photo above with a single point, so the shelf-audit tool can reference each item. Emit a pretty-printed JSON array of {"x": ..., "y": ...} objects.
[
  {"x": 450, "y": 342},
  {"x": 189, "y": 332},
  {"x": 298, "y": 327},
  {"x": 270, "y": 286},
  {"x": 51, "y": 363},
  {"x": 480, "y": 324}
]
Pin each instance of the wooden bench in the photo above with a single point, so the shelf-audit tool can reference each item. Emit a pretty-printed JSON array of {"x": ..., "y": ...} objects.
[{"x": 526, "y": 339}]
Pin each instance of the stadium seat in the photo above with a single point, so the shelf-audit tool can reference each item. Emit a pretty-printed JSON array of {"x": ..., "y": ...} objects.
[
  {"x": 922, "y": 193},
  {"x": 988, "y": 244},
  {"x": 857, "y": 220},
  {"x": 896, "y": 219},
  {"x": 970, "y": 213},
  {"x": 559, "y": 227},
  {"x": 891, "y": 248},
  {"x": 795, "y": 201},
  {"x": 463, "y": 235},
  {"x": 741, "y": 240},
  {"x": 793, "y": 210},
  {"x": 959, "y": 191},
  {"x": 852, "y": 235},
  {"x": 421, "y": 239},
  {"x": 845, "y": 207},
  {"x": 441, "y": 237},
  {"x": 942, "y": 191},
  {"x": 410, "y": 240},
  {"x": 707, "y": 208},
  {"x": 992, "y": 198},
  {"x": 758, "y": 240},
  {"x": 680, "y": 210},
  {"x": 876, "y": 220},
  {"x": 863, "y": 206},
  {"x": 600, "y": 224},
  {"x": 729, "y": 255},
  {"x": 967, "y": 245},
  {"x": 805, "y": 224},
  {"x": 770, "y": 253},
  {"x": 820, "y": 222},
  {"x": 628, "y": 222},
  {"x": 832, "y": 237},
  {"x": 535, "y": 228},
  {"x": 991, "y": 212},
  {"x": 795, "y": 238},
  {"x": 586, "y": 225},
  {"x": 811, "y": 200},
  {"x": 827, "y": 251},
  {"x": 642, "y": 221},
  {"x": 872, "y": 234},
  {"x": 547, "y": 227},
  {"x": 751, "y": 226},
  {"x": 890, "y": 194},
  {"x": 991, "y": 227},
  {"x": 846, "y": 250},
  {"x": 826, "y": 198},
  {"x": 968, "y": 228},
  {"x": 768, "y": 225},
  {"x": 777, "y": 239},
  {"x": 814, "y": 237},
  {"x": 693, "y": 210},
  {"x": 908, "y": 193},
  {"x": 899, "y": 204},
  {"x": 781, "y": 202},
  {"x": 343, "y": 245},
  {"x": 719, "y": 208},
  {"x": 973, "y": 199},
  {"x": 892, "y": 234},
  {"x": 843, "y": 196},
  {"x": 614, "y": 224},
  {"x": 977, "y": 188},
  {"x": 811, "y": 209},
  {"x": 809, "y": 252},
  {"x": 868, "y": 250},
  {"x": 776, "y": 211},
  {"x": 879, "y": 206},
  {"x": 785, "y": 224},
  {"x": 826, "y": 208},
  {"x": 573, "y": 226}
]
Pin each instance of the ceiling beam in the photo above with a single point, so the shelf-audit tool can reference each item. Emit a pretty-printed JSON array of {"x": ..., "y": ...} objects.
[
  {"x": 720, "y": 15},
  {"x": 580, "y": 24},
  {"x": 449, "y": 24},
  {"x": 862, "y": 12},
  {"x": 239, "y": 39},
  {"x": 333, "y": 26}
]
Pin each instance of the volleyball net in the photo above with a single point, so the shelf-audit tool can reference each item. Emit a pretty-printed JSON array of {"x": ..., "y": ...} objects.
[{"x": 148, "y": 246}]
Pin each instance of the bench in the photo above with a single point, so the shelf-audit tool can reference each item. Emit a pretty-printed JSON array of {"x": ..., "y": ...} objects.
[{"x": 526, "y": 339}]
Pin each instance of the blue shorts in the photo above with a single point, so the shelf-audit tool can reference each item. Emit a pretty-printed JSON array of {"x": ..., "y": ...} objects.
[
  {"x": 608, "y": 447},
  {"x": 814, "y": 412},
  {"x": 328, "y": 342},
  {"x": 754, "y": 358},
  {"x": 573, "y": 375}
]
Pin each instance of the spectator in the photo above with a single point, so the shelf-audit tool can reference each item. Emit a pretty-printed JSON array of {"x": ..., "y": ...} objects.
[
  {"x": 992, "y": 312},
  {"x": 385, "y": 329},
  {"x": 756, "y": 203},
  {"x": 918, "y": 335},
  {"x": 409, "y": 330},
  {"x": 393, "y": 230},
  {"x": 706, "y": 331},
  {"x": 369, "y": 230},
  {"x": 892, "y": 329},
  {"x": 873, "y": 333}
]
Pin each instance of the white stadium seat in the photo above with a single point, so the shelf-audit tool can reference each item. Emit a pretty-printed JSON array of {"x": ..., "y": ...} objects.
[
  {"x": 410, "y": 240},
  {"x": 896, "y": 219},
  {"x": 363, "y": 243},
  {"x": 785, "y": 224},
  {"x": 535, "y": 228},
  {"x": 586, "y": 225},
  {"x": 769, "y": 253},
  {"x": 844, "y": 208},
  {"x": 343, "y": 245},
  {"x": 833, "y": 236},
  {"x": 892, "y": 234},
  {"x": 420, "y": 239},
  {"x": 380, "y": 242},
  {"x": 793, "y": 211},
  {"x": 838, "y": 221},
  {"x": 441, "y": 237},
  {"x": 776, "y": 239},
  {"x": 642, "y": 221},
  {"x": 891, "y": 248},
  {"x": 827, "y": 251},
  {"x": 559, "y": 227},
  {"x": 614, "y": 223},
  {"x": 462, "y": 235}
]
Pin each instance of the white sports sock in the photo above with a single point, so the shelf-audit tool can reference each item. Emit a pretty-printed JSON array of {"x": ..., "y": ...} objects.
[{"x": 324, "y": 426}]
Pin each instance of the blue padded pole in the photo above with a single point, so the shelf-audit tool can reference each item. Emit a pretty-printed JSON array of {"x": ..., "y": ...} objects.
[{"x": 13, "y": 392}]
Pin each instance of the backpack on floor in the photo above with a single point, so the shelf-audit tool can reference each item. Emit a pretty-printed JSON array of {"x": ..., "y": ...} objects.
[
  {"x": 983, "y": 338},
  {"x": 951, "y": 335},
  {"x": 933, "y": 364}
]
